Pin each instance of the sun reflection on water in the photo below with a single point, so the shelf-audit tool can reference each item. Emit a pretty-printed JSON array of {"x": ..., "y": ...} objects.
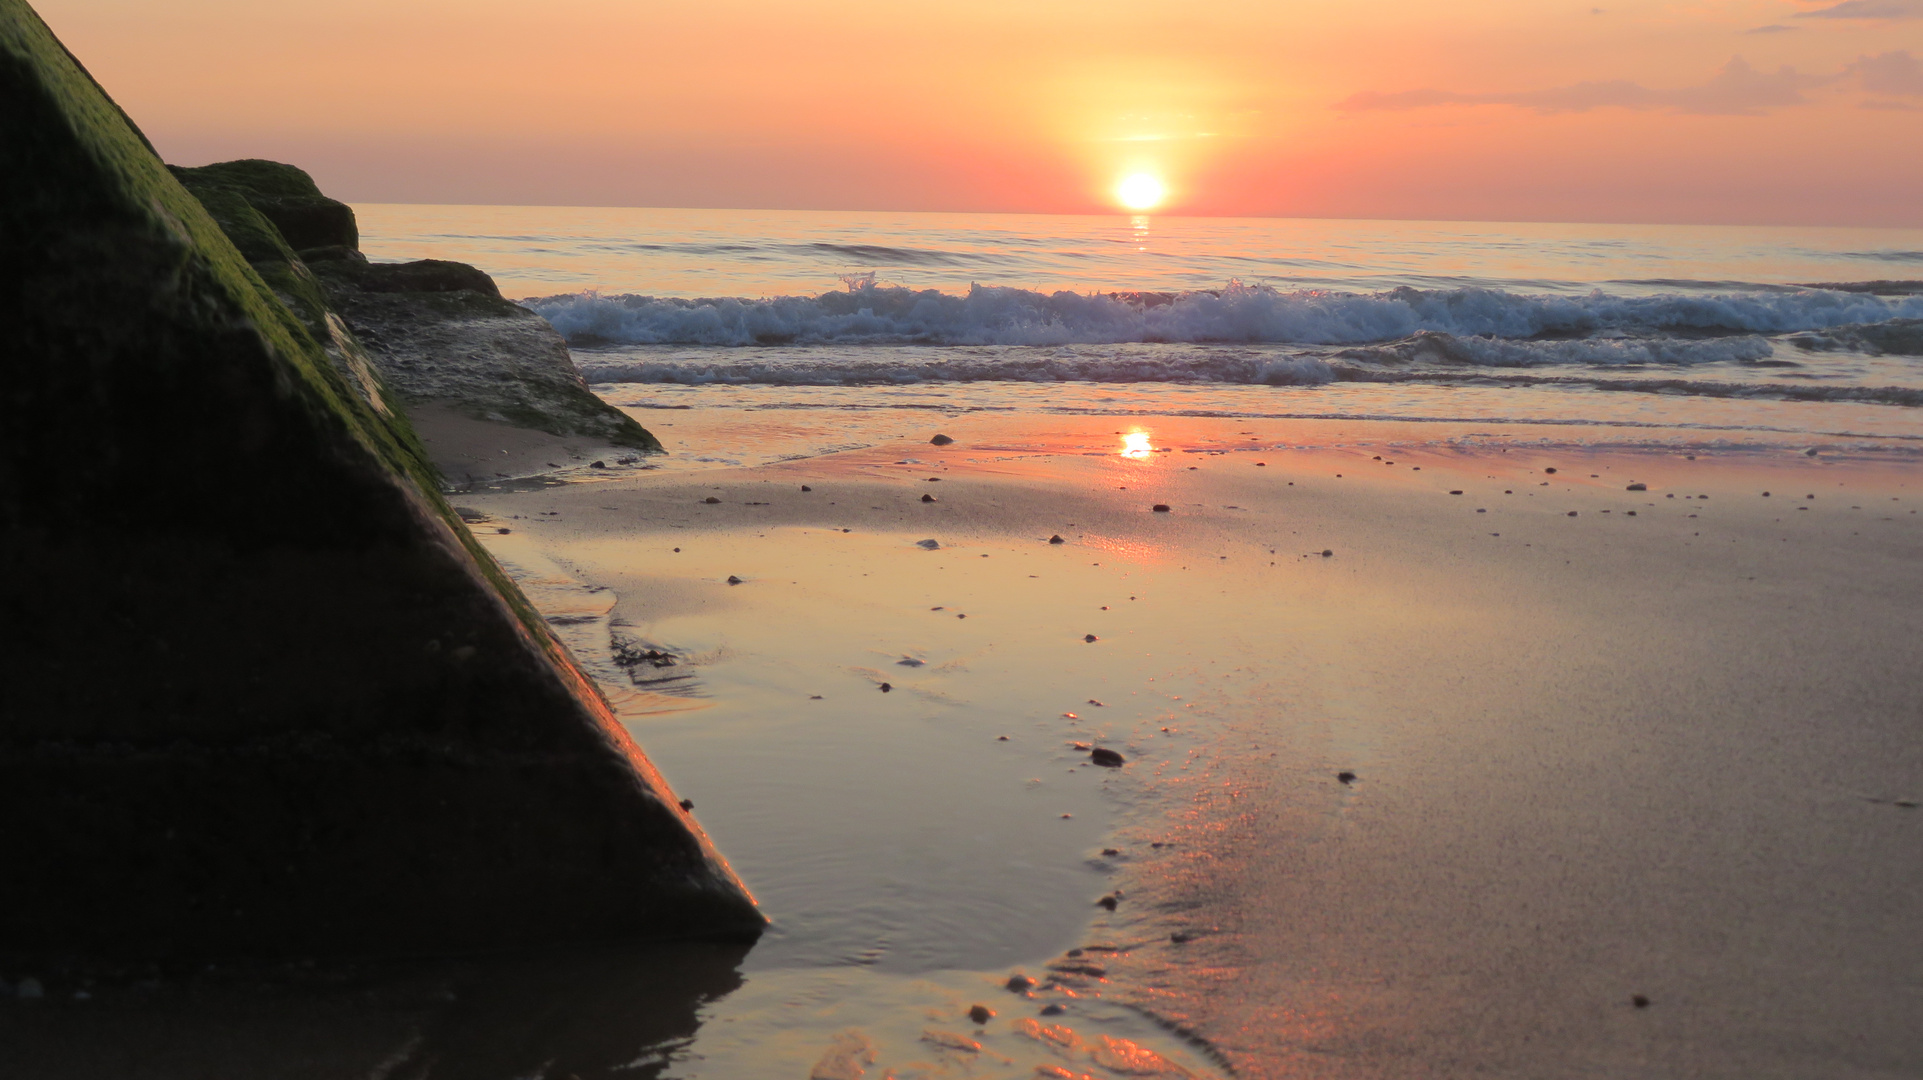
[{"x": 1135, "y": 444}]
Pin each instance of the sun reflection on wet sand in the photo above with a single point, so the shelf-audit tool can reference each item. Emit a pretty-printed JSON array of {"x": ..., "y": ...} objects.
[{"x": 1135, "y": 444}]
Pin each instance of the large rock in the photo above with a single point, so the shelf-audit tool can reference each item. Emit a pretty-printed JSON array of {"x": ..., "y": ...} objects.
[
  {"x": 436, "y": 332},
  {"x": 260, "y": 692}
]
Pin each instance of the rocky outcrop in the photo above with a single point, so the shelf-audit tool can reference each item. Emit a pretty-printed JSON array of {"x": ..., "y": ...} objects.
[
  {"x": 435, "y": 332},
  {"x": 262, "y": 694}
]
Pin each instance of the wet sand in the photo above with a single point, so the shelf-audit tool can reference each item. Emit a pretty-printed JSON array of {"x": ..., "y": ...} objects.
[
  {"x": 1605, "y": 743},
  {"x": 1594, "y": 757}
]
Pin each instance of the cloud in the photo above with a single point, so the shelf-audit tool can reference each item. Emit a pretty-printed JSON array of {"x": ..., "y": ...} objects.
[
  {"x": 1867, "y": 9},
  {"x": 1737, "y": 90},
  {"x": 1895, "y": 73}
]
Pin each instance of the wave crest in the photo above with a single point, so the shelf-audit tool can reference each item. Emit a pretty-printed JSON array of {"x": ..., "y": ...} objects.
[{"x": 994, "y": 315}]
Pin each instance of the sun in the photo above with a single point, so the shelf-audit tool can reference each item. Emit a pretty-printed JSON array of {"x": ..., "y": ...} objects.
[{"x": 1141, "y": 191}]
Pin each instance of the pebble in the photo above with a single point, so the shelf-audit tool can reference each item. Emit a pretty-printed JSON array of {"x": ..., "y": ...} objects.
[
  {"x": 1455, "y": 493},
  {"x": 885, "y": 687},
  {"x": 805, "y": 487},
  {"x": 1639, "y": 1001},
  {"x": 1181, "y": 937},
  {"x": 1052, "y": 1009},
  {"x": 711, "y": 500},
  {"x": 504, "y": 532},
  {"x": 733, "y": 580},
  {"x": 1637, "y": 487},
  {"x": 1106, "y": 758},
  {"x": 1090, "y": 638},
  {"x": 687, "y": 804},
  {"x": 1019, "y": 984},
  {"x": 1160, "y": 508},
  {"x": 930, "y": 545},
  {"x": 927, "y": 498},
  {"x": 1095, "y": 703},
  {"x": 1572, "y": 513},
  {"x": 1057, "y": 539},
  {"x": 1328, "y": 553},
  {"x": 1345, "y": 776},
  {"x": 1108, "y": 902},
  {"x": 1549, "y": 470},
  {"x": 1001, "y": 738},
  {"x": 980, "y": 1014},
  {"x": 941, "y": 440},
  {"x": 597, "y": 464},
  {"x": 1110, "y": 851},
  {"x": 909, "y": 661}
]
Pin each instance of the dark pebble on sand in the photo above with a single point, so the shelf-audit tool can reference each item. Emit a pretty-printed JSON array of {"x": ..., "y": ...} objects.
[
  {"x": 1639, "y": 1001},
  {"x": 1001, "y": 738},
  {"x": 929, "y": 545},
  {"x": 1108, "y": 903},
  {"x": 1346, "y": 777},
  {"x": 1637, "y": 487},
  {"x": 711, "y": 500},
  {"x": 1090, "y": 638},
  {"x": 1019, "y": 984},
  {"x": 1110, "y": 851},
  {"x": 885, "y": 687},
  {"x": 927, "y": 498},
  {"x": 1052, "y": 1009},
  {"x": 597, "y": 464},
  {"x": 1160, "y": 508},
  {"x": 1549, "y": 470},
  {"x": 980, "y": 1014},
  {"x": 1455, "y": 493},
  {"x": 941, "y": 440},
  {"x": 1327, "y": 553},
  {"x": 732, "y": 580},
  {"x": 687, "y": 804},
  {"x": 1106, "y": 758},
  {"x": 1181, "y": 937},
  {"x": 1572, "y": 513},
  {"x": 1057, "y": 539},
  {"x": 805, "y": 487},
  {"x": 504, "y": 532}
]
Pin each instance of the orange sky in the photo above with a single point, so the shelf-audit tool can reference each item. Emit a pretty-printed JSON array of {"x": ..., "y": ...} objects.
[{"x": 1648, "y": 110}]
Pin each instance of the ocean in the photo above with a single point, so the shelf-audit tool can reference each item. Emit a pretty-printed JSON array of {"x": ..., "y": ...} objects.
[{"x": 1631, "y": 333}]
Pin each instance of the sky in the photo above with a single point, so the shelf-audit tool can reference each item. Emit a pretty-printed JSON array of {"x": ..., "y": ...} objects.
[{"x": 1799, "y": 112}]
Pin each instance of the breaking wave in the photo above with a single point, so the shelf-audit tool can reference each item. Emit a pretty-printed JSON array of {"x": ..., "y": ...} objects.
[{"x": 993, "y": 315}]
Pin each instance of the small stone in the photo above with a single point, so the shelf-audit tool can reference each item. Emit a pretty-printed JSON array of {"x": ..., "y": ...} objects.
[
  {"x": 909, "y": 661},
  {"x": 1108, "y": 902},
  {"x": 1053, "y": 1009},
  {"x": 1160, "y": 508},
  {"x": 885, "y": 687},
  {"x": 1639, "y": 1001},
  {"x": 1057, "y": 539},
  {"x": 1109, "y": 851},
  {"x": 805, "y": 487},
  {"x": 687, "y": 804},
  {"x": 1260, "y": 464},
  {"x": 1090, "y": 638},
  {"x": 732, "y": 580},
  {"x": 677, "y": 551},
  {"x": 1019, "y": 984},
  {"x": 1572, "y": 513},
  {"x": 1001, "y": 738},
  {"x": 1631, "y": 513},
  {"x": 1549, "y": 470},
  {"x": 1637, "y": 487},
  {"x": 597, "y": 464},
  {"x": 1906, "y": 804},
  {"x": 928, "y": 545},
  {"x": 980, "y": 1014},
  {"x": 1345, "y": 776},
  {"x": 1455, "y": 493},
  {"x": 1327, "y": 553},
  {"x": 927, "y": 498},
  {"x": 1765, "y": 494},
  {"x": 504, "y": 532},
  {"x": 711, "y": 500},
  {"x": 1181, "y": 937},
  {"x": 1106, "y": 758},
  {"x": 941, "y": 440}
]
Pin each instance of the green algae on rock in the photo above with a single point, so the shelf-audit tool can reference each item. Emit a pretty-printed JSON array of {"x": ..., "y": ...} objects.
[{"x": 264, "y": 694}]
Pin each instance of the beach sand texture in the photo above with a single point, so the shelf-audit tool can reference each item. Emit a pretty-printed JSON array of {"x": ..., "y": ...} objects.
[{"x": 1606, "y": 745}]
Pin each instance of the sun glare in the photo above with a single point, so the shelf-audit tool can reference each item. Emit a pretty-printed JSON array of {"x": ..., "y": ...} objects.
[
  {"x": 1135, "y": 444},
  {"x": 1140, "y": 191}
]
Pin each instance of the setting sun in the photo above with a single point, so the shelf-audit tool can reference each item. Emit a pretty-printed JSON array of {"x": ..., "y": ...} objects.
[{"x": 1140, "y": 191}]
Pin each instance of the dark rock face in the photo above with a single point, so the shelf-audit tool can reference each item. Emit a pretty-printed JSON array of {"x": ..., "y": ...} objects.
[{"x": 262, "y": 693}]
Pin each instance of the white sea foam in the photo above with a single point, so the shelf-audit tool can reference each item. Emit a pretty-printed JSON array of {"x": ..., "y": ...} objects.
[{"x": 989, "y": 315}]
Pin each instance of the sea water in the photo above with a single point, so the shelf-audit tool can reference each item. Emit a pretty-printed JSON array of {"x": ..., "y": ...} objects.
[{"x": 1628, "y": 333}]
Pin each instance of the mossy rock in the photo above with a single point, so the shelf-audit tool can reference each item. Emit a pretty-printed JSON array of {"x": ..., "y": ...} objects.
[
  {"x": 285, "y": 195},
  {"x": 265, "y": 694}
]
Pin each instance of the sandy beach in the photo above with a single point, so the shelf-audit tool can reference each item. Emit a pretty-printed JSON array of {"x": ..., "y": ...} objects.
[{"x": 1606, "y": 745}]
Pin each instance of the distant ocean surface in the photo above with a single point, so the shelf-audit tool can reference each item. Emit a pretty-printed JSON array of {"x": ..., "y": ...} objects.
[{"x": 1683, "y": 334}]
